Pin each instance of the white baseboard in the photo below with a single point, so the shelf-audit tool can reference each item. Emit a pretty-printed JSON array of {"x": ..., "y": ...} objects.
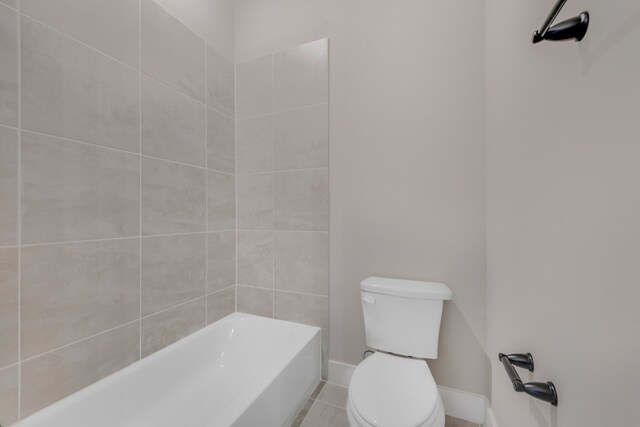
[
  {"x": 340, "y": 373},
  {"x": 464, "y": 405},
  {"x": 457, "y": 403}
]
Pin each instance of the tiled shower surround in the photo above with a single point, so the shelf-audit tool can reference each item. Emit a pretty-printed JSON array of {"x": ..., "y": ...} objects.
[
  {"x": 282, "y": 153},
  {"x": 119, "y": 182}
]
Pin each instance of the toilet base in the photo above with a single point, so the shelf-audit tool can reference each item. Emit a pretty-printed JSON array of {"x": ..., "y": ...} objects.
[{"x": 436, "y": 419}]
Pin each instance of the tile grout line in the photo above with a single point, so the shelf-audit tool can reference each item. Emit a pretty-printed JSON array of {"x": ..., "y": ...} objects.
[
  {"x": 178, "y": 305},
  {"x": 9, "y": 126},
  {"x": 131, "y": 322},
  {"x": 38, "y": 21},
  {"x": 285, "y": 231},
  {"x": 9, "y": 366},
  {"x": 206, "y": 191},
  {"x": 329, "y": 404},
  {"x": 15, "y": 9},
  {"x": 284, "y": 291},
  {"x": 119, "y": 150},
  {"x": 19, "y": 29},
  {"x": 278, "y": 171},
  {"x": 140, "y": 170},
  {"x": 273, "y": 187},
  {"x": 286, "y": 110},
  {"x": 328, "y": 124},
  {"x": 150, "y": 236},
  {"x": 220, "y": 290},
  {"x": 235, "y": 176},
  {"x": 106, "y": 239},
  {"x": 122, "y": 325}
]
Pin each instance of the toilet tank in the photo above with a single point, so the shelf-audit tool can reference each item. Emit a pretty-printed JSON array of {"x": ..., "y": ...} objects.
[{"x": 403, "y": 316}]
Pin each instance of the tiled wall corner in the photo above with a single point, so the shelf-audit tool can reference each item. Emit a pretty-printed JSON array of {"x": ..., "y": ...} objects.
[
  {"x": 117, "y": 192},
  {"x": 282, "y": 158}
]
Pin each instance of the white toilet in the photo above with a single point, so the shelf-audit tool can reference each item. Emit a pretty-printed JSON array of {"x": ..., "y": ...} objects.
[{"x": 394, "y": 387}]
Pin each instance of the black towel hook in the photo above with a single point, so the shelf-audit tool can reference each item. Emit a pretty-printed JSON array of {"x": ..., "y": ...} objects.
[{"x": 573, "y": 28}]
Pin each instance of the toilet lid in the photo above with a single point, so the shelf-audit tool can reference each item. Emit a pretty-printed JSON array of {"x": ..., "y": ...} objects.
[{"x": 393, "y": 391}]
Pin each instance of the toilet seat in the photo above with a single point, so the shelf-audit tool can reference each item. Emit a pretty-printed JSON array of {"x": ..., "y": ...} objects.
[{"x": 394, "y": 391}]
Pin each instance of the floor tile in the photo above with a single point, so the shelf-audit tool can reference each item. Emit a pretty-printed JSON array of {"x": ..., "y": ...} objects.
[
  {"x": 325, "y": 408},
  {"x": 334, "y": 395},
  {"x": 457, "y": 422},
  {"x": 325, "y": 415}
]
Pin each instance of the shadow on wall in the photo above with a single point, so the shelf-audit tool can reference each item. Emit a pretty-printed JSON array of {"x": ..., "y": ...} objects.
[
  {"x": 453, "y": 368},
  {"x": 591, "y": 57},
  {"x": 539, "y": 416}
]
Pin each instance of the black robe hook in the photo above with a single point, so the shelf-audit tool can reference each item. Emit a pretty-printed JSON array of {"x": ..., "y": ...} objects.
[{"x": 573, "y": 28}]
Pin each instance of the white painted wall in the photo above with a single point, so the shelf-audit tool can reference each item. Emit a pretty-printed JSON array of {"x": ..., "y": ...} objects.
[
  {"x": 564, "y": 212},
  {"x": 212, "y": 20},
  {"x": 407, "y": 155}
]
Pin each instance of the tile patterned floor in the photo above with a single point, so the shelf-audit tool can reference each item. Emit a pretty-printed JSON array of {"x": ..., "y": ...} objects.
[{"x": 326, "y": 408}]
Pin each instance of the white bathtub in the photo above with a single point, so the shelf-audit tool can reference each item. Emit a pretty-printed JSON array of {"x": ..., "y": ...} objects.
[{"x": 240, "y": 371}]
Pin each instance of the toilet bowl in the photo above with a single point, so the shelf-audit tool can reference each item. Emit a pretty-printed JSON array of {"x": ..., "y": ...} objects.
[
  {"x": 394, "y": 391},
  {"x": 394, "y": 386}
]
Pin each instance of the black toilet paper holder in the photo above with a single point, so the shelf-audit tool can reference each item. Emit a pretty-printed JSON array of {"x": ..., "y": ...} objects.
[{"x": 543, "y": 391}]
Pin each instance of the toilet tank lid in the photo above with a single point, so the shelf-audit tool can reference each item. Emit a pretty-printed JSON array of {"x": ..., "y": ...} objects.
[{"x": 406, "y": 288}]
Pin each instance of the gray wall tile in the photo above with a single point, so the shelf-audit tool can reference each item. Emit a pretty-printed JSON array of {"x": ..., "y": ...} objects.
[
  {"x": 302, "y": 200},
  {"x": 173, "y": 270},
  {"x": 254, "y": 142},
  {"x": 254, "y": 87},
  {"x": 53, "y": 376},
  {"x": 255, "y": 201},
  {"x": 8, "y": 395},
  {"x": 172, "y": 53},
  {"x": 301, "y": 262},
  {"x": 221, "y": 189},
  {"x": 221, "y": 147},
  {"x": 221, "y": 262},
  {"x": 301, "y": 75},
  {"x": 220, "y": 83},
  {"x": 74, "y": 191},
  {"x": 8, "y": 186},
  {"x": 100, "y": 167},
  {"x": 255, "y": 301},
  {"x": 8, "y": 67},
  {"x": 308, "y": 309},
  {"x": 93, "y": 23},
  {"x": 221, "y": 304},
  {"x": 174, "y": 126},
  {"x": 72, "y": 91},
  {"x": 75, "y": 290},
  {"x": 302, "y": 138},
  {"x": 8, "y": 307},
  {"x": 173, "y": 198},
  {"x": 255, "y": 258},
  {"x": 167, "y": 327}
]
